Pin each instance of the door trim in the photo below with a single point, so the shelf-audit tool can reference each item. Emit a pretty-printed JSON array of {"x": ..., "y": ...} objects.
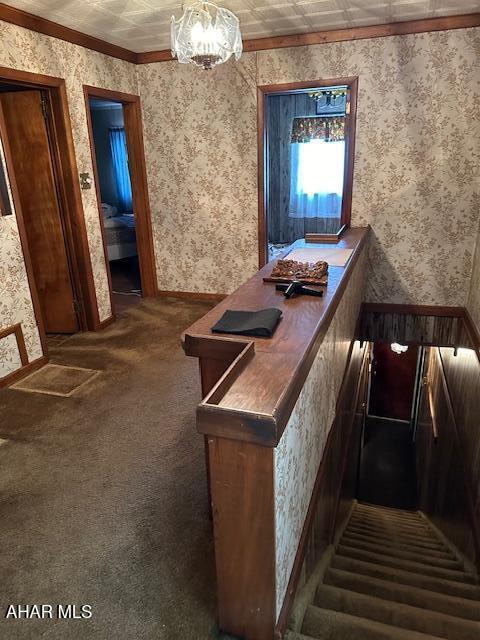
[
  {"x": 132, "y": 114},
  {"x": 263, "y": 91}
]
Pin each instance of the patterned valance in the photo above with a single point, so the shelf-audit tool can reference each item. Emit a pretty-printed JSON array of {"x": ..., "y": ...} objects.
[{"x": 318, "y": 128}]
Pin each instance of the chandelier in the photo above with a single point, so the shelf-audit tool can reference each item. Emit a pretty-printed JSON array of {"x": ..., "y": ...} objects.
[
  {"x": 206, "y": 35},
  {"x": 328, "y": 96},
  {"x": 398, "y": 348}
]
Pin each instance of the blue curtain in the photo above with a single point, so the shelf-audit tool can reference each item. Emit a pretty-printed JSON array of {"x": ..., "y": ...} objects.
[{"x": 118, "y": 146}]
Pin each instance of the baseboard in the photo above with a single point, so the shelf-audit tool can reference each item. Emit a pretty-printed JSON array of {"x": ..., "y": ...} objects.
[
  {"x": 106, "y": 323},
  {"x": 24, "y": 371},
  {"x": 193, "y": 295}
]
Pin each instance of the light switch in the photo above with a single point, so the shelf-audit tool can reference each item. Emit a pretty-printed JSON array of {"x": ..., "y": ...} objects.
[{"x": 85, "y": 181}]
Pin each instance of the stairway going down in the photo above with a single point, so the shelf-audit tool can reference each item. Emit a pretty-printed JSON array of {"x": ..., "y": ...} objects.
[{"x": 392, "y": 577}]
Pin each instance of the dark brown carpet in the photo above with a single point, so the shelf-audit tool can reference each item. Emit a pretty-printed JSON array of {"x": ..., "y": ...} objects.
[{"x": 103, "y": 497}]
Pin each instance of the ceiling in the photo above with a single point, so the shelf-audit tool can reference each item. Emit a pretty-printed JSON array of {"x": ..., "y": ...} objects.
[{"x": 144, "y": 25}]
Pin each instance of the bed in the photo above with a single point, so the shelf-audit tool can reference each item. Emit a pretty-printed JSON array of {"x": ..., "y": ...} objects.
[{"x": 120, "y": 236}]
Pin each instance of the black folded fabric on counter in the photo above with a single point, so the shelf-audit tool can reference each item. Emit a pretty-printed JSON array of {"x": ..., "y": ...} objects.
[{"x": 249, "y": 323}]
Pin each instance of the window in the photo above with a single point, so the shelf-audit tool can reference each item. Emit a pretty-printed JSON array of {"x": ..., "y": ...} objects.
[{"x": 316, "y": 187}]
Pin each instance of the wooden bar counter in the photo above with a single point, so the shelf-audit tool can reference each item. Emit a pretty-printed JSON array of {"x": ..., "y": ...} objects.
[{"x": 250, "y": 388}]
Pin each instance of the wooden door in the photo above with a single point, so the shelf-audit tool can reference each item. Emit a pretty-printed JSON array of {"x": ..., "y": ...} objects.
[
  {"x": 392, "y": 382},
  {"x": 25, "y": 114}
]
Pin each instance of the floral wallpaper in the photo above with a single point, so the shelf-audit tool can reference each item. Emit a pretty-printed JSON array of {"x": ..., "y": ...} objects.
[
  {"x": 417, "y": 161},
  {"x": 30, "y": 51},
  {"x": 473, "y": 304},
  {"x": 10, "y": 359},
  {"x": 299, "y": 453},
  {"x": 15, "y": 301},
  {"x": 201, "y": 150}
]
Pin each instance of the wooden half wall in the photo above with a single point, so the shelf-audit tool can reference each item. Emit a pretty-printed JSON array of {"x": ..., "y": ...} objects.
[
  {"x": 14, "y": 360},
  {"x": 278, "y": 419}
]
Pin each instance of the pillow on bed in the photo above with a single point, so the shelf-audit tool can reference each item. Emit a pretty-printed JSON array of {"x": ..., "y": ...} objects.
[{"x": 108, "y": 211}]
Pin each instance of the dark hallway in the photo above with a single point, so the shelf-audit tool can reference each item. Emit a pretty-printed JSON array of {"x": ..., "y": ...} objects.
[
  {"x": 387, "y": 469},
  {"x": 387, "y": 464}
]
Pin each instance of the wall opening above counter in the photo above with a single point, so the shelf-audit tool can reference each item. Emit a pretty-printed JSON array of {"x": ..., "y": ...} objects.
[{"x": 306, "y": 144}]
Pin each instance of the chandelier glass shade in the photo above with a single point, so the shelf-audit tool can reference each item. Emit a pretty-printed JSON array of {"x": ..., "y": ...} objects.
[
  {"x": 328, "y": 97},
  {"x": 206, "y": 35},
  {"x": 398, "y": 348}
]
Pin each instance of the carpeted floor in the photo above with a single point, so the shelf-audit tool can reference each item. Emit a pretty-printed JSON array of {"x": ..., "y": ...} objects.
[{"x": 103, "y": 497}]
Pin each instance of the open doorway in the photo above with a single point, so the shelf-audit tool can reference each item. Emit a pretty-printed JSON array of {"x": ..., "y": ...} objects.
[
  {"x": 115, "y": 187},
  {"x": 306, "y": 138},
  {"x": 387, "y": 469},
  {"x": 120, "y": 178}
]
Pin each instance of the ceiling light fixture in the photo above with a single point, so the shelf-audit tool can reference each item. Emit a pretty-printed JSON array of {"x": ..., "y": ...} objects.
[
  {"x": 206, "y": 35},
  {"x": 328, "y": 96},
  {"x": 398, "y": 348}
]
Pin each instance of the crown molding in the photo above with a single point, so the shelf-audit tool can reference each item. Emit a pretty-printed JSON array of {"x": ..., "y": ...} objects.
[
  {"x": 147, "y": 57},
  {"x": 49, "y": 28},
  {"x": 340, "y": 35}
]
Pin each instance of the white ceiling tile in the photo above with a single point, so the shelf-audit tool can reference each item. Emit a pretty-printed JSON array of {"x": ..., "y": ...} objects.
[
  {"x": 123, "y": 7},
  {"x": 305, "y": 8},
  {"x": 463, "y": 5},
  {"x": 366, "y": 21},
  {"x": 142, "y": 25}
]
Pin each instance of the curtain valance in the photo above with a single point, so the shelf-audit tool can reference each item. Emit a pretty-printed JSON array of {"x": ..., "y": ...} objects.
[{"x": 318, "y": 128}]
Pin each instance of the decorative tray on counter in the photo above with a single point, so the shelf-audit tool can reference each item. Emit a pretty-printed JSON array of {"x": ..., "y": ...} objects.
[{"x": 305, "y": 272}]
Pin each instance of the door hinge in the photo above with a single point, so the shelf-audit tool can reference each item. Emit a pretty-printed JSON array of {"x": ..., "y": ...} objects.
[
  {"x": 44, "y": 103},
  {"x": 77, "y": 306}
]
